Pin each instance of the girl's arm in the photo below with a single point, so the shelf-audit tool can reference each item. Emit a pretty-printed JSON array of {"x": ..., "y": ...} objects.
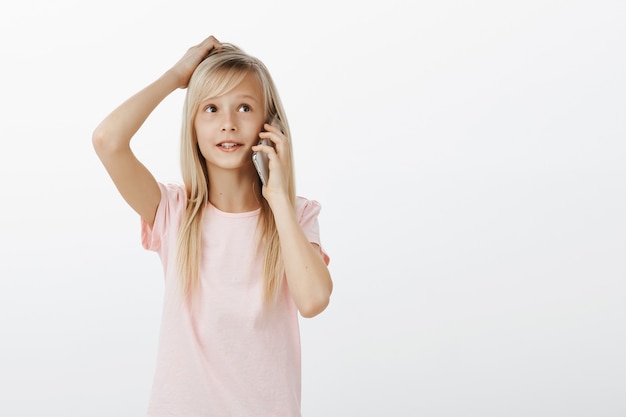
[
  {"x": 308, "y": 277},
  {"x": 111, "y": 139}
]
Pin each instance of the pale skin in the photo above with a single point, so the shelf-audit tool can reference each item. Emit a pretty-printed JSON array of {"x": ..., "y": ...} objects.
[{"x": 236, "y": 117}]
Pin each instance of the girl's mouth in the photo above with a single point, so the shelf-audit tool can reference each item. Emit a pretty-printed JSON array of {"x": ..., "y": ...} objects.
[{"x": 229, "y": 146}]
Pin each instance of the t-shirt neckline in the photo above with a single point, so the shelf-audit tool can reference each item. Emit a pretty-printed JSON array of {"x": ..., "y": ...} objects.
[{"x": 221, "y": 213}]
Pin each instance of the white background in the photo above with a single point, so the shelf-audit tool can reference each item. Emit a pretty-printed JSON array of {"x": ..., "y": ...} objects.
[{"x": 469, "y": 158}]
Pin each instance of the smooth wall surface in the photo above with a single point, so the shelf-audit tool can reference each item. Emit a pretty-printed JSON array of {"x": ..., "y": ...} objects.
[{"x": 469, "y": 158}]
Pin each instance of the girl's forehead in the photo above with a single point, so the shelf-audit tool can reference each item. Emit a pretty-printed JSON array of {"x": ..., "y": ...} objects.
[{"x": 249, "y": 86}]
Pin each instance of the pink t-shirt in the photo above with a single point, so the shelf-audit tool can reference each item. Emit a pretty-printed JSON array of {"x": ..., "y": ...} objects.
[{"x": 230, "y": 355}]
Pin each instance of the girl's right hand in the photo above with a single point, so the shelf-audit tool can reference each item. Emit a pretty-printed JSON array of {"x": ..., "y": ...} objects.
[{"x": 185, "y": 67}]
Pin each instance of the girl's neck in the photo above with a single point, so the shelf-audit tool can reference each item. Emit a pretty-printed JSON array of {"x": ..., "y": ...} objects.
[{"x": 234, "y": 193}]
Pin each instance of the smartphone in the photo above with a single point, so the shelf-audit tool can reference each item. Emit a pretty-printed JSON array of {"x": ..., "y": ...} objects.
[{"x": 260, "y": 160}]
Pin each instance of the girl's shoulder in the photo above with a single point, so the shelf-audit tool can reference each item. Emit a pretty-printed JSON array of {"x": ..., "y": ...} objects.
[
  {"x": 175, "y": 188},
  {"x": 307, "y": 208},
  {"x": 173, "y": 192}
]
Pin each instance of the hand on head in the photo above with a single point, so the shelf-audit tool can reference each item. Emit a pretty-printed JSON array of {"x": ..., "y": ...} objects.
[{"x": 185, "y": 67}]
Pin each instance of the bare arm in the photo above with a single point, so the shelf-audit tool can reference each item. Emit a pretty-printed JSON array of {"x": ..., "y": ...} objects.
[
  {"x": 111, "y": 139},
  {"x": 307, "y": 275}
]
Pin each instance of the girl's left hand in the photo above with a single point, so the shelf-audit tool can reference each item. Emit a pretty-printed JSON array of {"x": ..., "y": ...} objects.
[{"x": 279, "y": 157}]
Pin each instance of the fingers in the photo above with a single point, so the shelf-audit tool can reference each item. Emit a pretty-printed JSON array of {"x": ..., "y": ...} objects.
[
  {"x": 269, "y": 150},
  {"x": 278, "y": 152},
  {"x": 274, "y": 132},
  {"x": 193, "y": 57},
  {"x": 278, "y": 139},
  {"x": 210, "y": 43},
  {"x": 211, "y": 40},
  {"x": 204, "y": 48}
]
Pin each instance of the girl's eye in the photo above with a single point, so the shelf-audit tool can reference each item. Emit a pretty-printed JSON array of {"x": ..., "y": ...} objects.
[
  {"x": 210, "y": 109},
  {"x": 244, "y": 108}
]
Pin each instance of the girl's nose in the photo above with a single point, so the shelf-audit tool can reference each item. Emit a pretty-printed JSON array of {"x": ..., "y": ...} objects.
[{"x": 228, "y": 123}]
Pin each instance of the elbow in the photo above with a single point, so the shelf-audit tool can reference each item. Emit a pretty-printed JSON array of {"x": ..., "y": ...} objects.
[
  {"x": 312, "y": 310},
  {"x": 99, "y": 141},
  {"x": 103, "y": 143},
  {"x": 315, "y": 305}
]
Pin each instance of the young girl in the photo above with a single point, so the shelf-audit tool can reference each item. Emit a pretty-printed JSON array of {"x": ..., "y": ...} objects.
[{"x": 240, "y": 259}]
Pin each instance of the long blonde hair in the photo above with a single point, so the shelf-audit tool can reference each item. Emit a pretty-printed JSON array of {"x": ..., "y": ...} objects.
[{"x": 220, "y": 72}]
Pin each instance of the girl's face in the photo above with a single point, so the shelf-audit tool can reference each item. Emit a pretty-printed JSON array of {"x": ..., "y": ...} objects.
[{"x": 228, "y": 126}]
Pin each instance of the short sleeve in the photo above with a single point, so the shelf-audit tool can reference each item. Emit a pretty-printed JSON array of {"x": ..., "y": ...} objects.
[
  {"x": 307, "y": 212},
  {"x": 169, "y": 211}
]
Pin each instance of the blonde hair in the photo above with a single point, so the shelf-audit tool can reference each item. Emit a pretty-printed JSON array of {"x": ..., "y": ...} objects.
[{"x": 220, "y": 72}]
